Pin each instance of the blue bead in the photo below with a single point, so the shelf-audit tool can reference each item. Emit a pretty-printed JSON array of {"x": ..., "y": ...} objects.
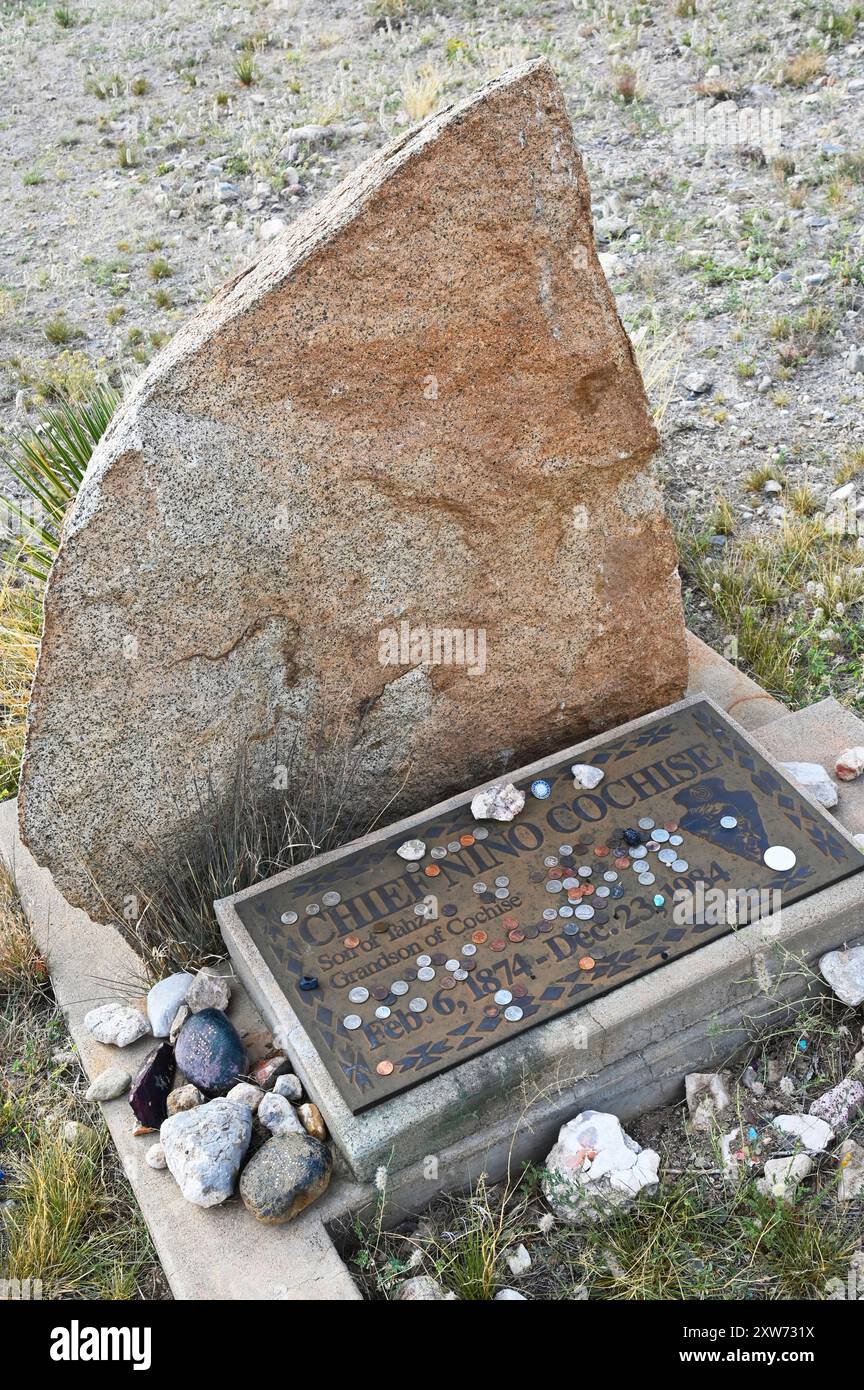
[
  {"x": 541, "y": 789},
  {"x": 308, "y": 982}
]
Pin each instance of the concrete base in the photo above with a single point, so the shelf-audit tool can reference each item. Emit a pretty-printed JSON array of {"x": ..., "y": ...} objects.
[{"x": 640, "y": 1042}]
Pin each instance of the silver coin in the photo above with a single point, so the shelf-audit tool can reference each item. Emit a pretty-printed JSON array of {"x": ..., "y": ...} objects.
[
  {"x": 676, "y": 839},
  {"x": 419, "y": 910},
  {"x": 413, "y": 868},
  {"x": 480, "y": 832},
  {"x": 585, "y": 871},
  {"x": 424, "y": 960},
  {"x": 603, "y": 891},
  {"x": 565, "y": 849},
  {"x": 502, "y": 893},
  {"x": 312, "y": 909},
  {"x": 646, "y": 823},
  {"x": 549, "y": 914},
  {"x": 503, "y": 996},
  {"x": 565, "y": 911},
  {"x": 584, "y": 912},
  {"x": 570, "y": 881},
  {"x": 439, "y": 852},
  {"x": 352, "y": 1021},
  {"x": 358, "y": 995},
  {"x": 502, "y": 881},
  {"x": 728, "y": 822},
  {"x": 452, "y": 964},
  {"x": 680, "y": 866},
  {"x": 550, "y": 861},
  {"x": 469, "y": 949},
  {"x": 646, "y": 879},
  {"x": 572, "y": 929},
  {"x": 479, "y": 888},
  {"x": 288, "y": 918},
  {"x": 331, "y": 899},
  {"x": 453, "y": 847},
  {"x": 382, "y": 1011},
  {"x": 779, "y": 858},
  {"x": 513, "y": 1014},
  {"x": 660, "y": 835},
  {"x": 667, "y": 856},
  {"x": 417, "y": 1004},
  {"x": 611, "y": 876},
  {"x": 425, "y": 973},
  {"x": 554, "y": 885},
  {"x": 637, "y": 852},
  {"x": 399, "y": 987},
  {"x": 460, "y": 974}
]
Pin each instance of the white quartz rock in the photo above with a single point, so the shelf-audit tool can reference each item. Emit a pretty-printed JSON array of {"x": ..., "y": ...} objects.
[
  {"x": 277, "y": 1114},
  {"x": 814, "y": 777},
  {"x": 782, "y": 1175},
  {"x": 707, "y": 1097},
  {"x": 595, "y": 1168},
  {"x": 815, "y": 1135},
  {"x": 411, "y": 850},
  {"x": 116, "y": 1024},
  {"x": 164, "y": 1000},
  {"x": 586, "y": 776},
  {"x": 844, "y": 971},
  {"x": 502, "y": 801},
  {"x": 204, "y": 1148}
]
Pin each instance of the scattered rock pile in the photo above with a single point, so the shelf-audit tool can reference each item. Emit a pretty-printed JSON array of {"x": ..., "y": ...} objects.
[{"x": 224, "y": 1113}]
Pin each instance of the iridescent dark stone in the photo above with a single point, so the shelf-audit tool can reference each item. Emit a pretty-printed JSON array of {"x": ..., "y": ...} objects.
[
  {"x": 632, "y": 837},
  {"x": 148, "y": 1094},
  {"x": 210, "y": 1053}
]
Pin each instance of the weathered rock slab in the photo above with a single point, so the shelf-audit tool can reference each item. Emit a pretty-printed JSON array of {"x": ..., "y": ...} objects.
[{"x": 390, "y": 425}]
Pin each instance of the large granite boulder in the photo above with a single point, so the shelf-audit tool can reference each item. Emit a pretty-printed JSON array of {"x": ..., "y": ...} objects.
[{"x": 416, "y": 413}]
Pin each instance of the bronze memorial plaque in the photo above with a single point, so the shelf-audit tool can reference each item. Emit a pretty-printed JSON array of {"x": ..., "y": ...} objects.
[{"x": 399, "y": 968}]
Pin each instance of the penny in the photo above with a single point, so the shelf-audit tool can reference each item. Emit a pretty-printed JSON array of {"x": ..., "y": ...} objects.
[
  {"x": 779, "y": 858},
  {"x": 491, "y": 1011},
  {"x": 381, "y": 927},
  {"x": 503, "y": 996},
  {"x": 516, "y": 936},
  {"x": 479, "y": 938},
  {"x": 410, "y": 974},
  {"x": 431, "y": 871},
  {"x": 352, "y": 941},
  {"x": 497, "y": 945},
  {"x": 519, "y": 992},
  {"x": 545, "y": 927},
  {"x": 384, "y": 1068},
  {"x": 424, "y": 960},
  {"x": 671, "y": 825},
  {"x": 352, "y": 1021},
  {"x": 289, "y": 918},
  {"x": 467, "y": 840},
  {"x": 509, "y": 921},
  {"x": 331, "y": 899},
  {"x": 469, "y": 964},
  {"x": 588, "y": 889},
  {"x": 380, "y": 992},
  {"x": 447, "y": 982},
  {"x": 382, "y": 1011},
  {"x": 399, "y": 987},
  {"x": 358, "y": 995},
  {"x": 728, "y": 822},
  {"x": 531, "y": 932},
  {"x": 513, "y": 1014},
  {"x": 587, "y": 962},
  {"x": 438, "y": 958},
  {"x": 622, "y": 863},
  {"x": 417, "y": 1004},
  {"x": 425, "y": 973},
  {"x": 601, "y": 851},
  {"x": 601, "y": 918}
]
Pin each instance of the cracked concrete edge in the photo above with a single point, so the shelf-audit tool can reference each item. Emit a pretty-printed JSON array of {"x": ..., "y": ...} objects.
[{"x": 214, "y": 1254}]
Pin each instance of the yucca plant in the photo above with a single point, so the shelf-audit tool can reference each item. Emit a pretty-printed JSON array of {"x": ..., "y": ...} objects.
[{"x": 49, "y": 462}]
